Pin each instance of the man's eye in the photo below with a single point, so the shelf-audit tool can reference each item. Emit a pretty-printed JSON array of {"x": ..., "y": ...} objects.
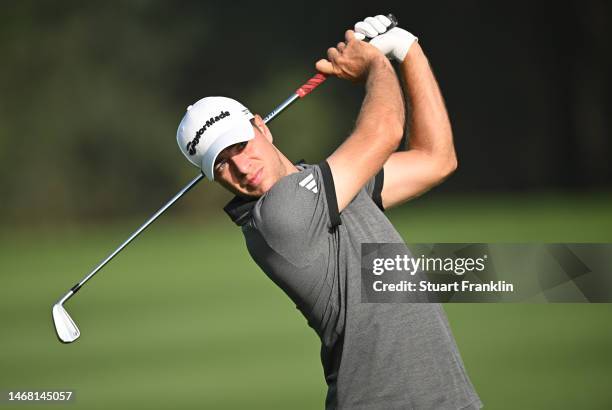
[
  {"x": 231, "y": 150},
  {"x": 220, "y": 165}
]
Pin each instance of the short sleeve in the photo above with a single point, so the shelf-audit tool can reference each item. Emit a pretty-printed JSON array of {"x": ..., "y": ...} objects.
[
  {"x": 293, "y": 216},
  {"x": 374, "y": 188}
]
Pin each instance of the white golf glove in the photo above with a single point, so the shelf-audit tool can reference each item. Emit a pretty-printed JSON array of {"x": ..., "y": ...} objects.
[{"x": 394, "y": 43}]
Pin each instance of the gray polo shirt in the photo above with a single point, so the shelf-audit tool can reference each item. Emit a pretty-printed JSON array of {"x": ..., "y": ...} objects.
[{"x": 374, "y": 355}]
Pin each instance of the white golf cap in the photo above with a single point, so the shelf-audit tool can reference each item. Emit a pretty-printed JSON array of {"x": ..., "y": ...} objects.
[{"x": 211, "y": 125}]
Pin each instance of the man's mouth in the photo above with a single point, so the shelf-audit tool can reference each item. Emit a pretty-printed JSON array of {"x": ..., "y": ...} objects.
[{"x": 255, "y": 179}]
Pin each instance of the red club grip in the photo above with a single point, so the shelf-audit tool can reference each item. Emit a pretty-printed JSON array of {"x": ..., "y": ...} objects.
[{"x": 310, "y": 85}]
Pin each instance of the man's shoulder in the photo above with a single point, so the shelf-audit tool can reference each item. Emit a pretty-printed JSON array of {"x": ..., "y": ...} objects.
[
  {"x": 293, "y": 193},
  {"x": 306, "y": 179}
]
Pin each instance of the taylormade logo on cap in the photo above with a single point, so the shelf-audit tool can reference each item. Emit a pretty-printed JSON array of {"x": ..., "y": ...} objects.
[
  {"x": 209, "y": 126},
  {"x": 192, "y": 144}
]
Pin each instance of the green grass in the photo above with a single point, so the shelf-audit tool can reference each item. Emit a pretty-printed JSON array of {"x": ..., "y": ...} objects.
[{"x": 184, "y": 319}]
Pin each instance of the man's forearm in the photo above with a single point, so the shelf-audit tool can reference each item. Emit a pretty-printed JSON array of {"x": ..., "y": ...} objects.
[
  {"x": 430, "y": 129},
  {"x": 378, "y": 132},
  {"x": 382, "y": 111}
]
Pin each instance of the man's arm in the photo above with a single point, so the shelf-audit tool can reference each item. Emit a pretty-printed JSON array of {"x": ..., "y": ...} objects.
[
  {"x": 430, "y": 157},
  {"x": 380, "y": 124}
]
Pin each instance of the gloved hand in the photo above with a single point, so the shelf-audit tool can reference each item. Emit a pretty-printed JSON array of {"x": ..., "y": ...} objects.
[{"x": 394, "y": 43}]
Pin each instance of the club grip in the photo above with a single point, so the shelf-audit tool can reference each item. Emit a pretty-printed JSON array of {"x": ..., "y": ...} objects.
[
  {"x": 394, "y": 21},
  {"x": 319, "y": 78},
  {"x": 310, "y": 85}
]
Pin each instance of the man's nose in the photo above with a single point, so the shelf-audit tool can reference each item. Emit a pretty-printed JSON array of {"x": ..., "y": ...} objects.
[{"x": 241, "y": 162}]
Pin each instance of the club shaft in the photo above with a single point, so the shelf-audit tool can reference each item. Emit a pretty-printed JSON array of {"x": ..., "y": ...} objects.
[
  {"x": 182, "y": 192},
  {"x": 144, "y": 226},
  {"x": 280, "y": 108}
]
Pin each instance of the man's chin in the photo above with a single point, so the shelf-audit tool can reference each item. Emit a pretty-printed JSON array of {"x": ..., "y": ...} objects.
[
  {"x": 249, "y": 195},
  {"x": 256, "y": 193}
]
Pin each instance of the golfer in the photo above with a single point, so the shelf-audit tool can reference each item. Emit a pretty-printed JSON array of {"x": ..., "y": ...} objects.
[{"x": 304, "y": 224}]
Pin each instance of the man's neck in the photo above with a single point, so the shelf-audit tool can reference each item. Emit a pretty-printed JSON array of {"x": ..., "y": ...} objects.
[{"x": 288, "y": 166}]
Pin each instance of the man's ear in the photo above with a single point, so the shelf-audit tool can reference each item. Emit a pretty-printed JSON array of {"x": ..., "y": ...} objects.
[{"x": 262, "y": 127}]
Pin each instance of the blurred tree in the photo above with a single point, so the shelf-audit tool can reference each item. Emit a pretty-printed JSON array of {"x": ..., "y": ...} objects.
[
  {"x": 87, "y": 119},
  {"x": 91, "y": 93}
]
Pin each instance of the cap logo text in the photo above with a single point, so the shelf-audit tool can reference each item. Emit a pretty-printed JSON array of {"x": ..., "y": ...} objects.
[{"x": 191, "y": 145}]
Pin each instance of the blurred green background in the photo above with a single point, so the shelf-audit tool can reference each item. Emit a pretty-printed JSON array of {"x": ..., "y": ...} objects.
[
  {"x": 184, "y": 318},
  {"x": 90, "y": 97}
]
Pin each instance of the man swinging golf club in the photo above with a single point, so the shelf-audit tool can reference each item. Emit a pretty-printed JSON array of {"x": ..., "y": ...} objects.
[{"x": 304, "y": 224}]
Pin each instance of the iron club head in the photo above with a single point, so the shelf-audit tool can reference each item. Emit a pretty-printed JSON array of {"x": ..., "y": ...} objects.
[{"x": 66, "y": 330}]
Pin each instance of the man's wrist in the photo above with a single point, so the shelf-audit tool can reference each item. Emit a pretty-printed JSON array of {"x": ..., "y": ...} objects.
[
  {"x": 379, "y": 63},
  {"x": 380, "y": 74},
  {"x": 412, "y": 54},
  {"x": 404, "y": 42}
]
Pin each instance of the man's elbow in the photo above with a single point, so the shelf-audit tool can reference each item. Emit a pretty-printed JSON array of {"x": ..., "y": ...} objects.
[
  {"x": 451, "y": 165},
  {"x": 390, "y": 133},
  {"x": 446, "y": 167}
]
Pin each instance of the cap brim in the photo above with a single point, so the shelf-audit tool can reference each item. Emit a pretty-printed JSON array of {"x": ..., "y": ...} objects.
[{"x": 240, "y": 133}]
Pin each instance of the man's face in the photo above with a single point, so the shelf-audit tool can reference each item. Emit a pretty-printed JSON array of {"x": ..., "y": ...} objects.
[{"x": 252, "y": 167}]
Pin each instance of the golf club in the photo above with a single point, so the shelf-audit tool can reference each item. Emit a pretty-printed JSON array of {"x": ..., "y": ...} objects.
[{"x": 67, "y": 331}]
